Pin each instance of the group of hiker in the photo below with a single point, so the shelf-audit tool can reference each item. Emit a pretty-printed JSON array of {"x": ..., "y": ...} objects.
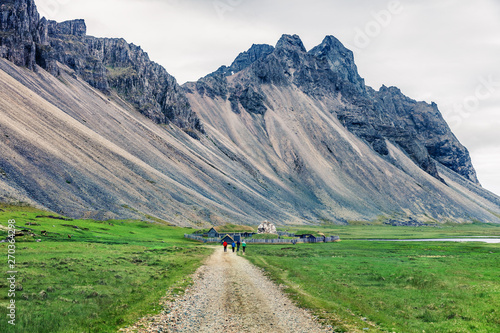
[{"x": 235, "y": 245}]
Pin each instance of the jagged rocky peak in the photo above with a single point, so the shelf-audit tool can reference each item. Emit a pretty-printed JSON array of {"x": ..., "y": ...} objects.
[
  {"x": 290, "y": 43},
  {"x": 291, "y": 54},
  {"x": 340, "y": 59},
  {"x": 108, "y": 64},
  {"x": 325, "y": 70},
  {"x": 247, "y": 58},
  {"x": 215, "y": 84},
  {"x": 328, "y": 72},
  {"x": 266, "y": 64}
]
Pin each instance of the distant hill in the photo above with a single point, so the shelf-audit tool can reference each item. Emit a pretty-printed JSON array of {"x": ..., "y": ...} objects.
[{"x": 91, "y": 127}]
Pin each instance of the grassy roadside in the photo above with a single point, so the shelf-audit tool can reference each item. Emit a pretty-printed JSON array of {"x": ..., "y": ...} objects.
[
  {"x": 107, "y": 275},
  {"x": 391, "y": 286}
]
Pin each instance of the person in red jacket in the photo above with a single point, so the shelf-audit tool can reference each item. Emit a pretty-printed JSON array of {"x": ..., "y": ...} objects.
[{"x": 225, "y": 246}]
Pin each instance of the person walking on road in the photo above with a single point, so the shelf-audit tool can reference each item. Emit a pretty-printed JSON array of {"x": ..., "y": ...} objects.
[
  {"x": 233, "y": 244},
  {"x": 238, "y": 246},
  {"x": 225, "y": 246},
  {"x": 243, "y": 246}
]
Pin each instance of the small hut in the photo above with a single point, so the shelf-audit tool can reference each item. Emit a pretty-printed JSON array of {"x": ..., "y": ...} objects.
[
  {"x": 227, "y": 239},
  {"x": 310, "y": 238},
  {"x": 212, "y": 233},
  {"x": 306, "y": 236}
]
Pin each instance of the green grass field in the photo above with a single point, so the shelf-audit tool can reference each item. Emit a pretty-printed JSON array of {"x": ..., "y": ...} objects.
[
  {"x": 370, "y": 230},
  {"x": 106, "y": 276},
  {"x": 391, "y": 286},
  {"x": 109, "y": 274}
]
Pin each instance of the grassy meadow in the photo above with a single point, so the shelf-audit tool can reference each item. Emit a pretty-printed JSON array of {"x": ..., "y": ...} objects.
[
  {"x": 359, "y": 286},
  {"x": 107, "y": 275}
]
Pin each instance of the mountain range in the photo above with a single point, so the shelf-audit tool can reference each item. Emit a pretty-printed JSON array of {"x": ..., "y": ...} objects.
[{"x": 91, "y": 127}]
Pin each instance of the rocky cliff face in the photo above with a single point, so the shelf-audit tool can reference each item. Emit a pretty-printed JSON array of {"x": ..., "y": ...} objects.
[
  {"x": 424, "y": 127},
  {"x": 328, "y": 73},
  {"x": 21, "y": 30},
  {"x": 106, "y": 64},
  {"x": 215, "y": 84}
]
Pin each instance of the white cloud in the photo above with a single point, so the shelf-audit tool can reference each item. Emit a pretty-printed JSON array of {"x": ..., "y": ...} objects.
[{"x": 486, "y": 162}]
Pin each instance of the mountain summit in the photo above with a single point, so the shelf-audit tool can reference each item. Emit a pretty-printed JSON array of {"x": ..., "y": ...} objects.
[
  {"x": 92, "y": 127},
  {"x": 105, "y": 63},
  {"x": 328, "y": 73}
]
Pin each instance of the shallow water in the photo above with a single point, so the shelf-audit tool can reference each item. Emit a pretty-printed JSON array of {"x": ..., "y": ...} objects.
[{"x": 468, "y": 239}]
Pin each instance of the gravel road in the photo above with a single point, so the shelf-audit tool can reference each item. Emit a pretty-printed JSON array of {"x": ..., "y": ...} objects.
[{"x": 229, "y": 294}]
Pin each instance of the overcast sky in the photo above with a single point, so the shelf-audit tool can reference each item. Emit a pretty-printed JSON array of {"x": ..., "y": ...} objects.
[{"x": 446, "y": 51}]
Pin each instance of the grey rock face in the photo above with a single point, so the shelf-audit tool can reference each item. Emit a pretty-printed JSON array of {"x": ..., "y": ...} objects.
[
  {"x": 340, "y": 61},
  {"x": 20, "y": 31},
  {"x": 73, "y": 27},
  {"x": 280, "y": 66},
  {"x": 106, "y": 64},
  {"x": 426, "y": 126},
  {"x": 250, "y": 98},
  {"x": 247, "y": 58},
  {"x": 215, "y": 84},
  {"x": 328, "y": 72}
]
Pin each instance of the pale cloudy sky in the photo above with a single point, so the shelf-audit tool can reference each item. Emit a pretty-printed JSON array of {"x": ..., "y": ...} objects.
[{"x": 446, "y": 51}]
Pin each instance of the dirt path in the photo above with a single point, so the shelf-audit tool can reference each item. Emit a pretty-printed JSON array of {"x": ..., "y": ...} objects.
[{"x": 230, "y": 295}]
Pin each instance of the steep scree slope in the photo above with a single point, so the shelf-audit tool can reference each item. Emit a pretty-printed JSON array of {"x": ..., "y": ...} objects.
[{"x": 282, "y": 133}]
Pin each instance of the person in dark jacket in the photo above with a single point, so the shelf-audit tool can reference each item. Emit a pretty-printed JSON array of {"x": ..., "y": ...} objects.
[{"x": 238, "y": 246}]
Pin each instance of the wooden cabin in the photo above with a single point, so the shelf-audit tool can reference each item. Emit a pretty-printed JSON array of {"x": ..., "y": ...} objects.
[
  {"x": 247, "y": 234},
  {"x": 306, "y": 236},
  {"x": 212, "y": 233},
  {"x": 227, "y": 239},
  {"x": 310, "y": 238}
]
